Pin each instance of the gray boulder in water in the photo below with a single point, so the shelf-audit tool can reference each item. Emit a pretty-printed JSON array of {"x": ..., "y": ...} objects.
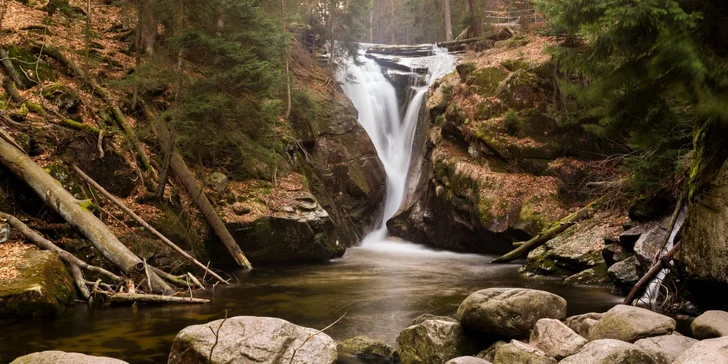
[
  {"x": 710, "y": 324},
  {"x": 434, "y": 341},
  {"x": 609, "y": 351},
  {"x": 509, "y": 312},
  {"x": 248, "y": 339},
  {"x": 362, "y": 349},
  {"x": 60, "y": 357},
  {"x": 710, "y": 351},
  {"x": 629, "y": 323}
]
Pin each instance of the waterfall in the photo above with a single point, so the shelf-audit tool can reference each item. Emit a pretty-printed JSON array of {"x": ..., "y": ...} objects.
[{"x": 379, "y": 113}]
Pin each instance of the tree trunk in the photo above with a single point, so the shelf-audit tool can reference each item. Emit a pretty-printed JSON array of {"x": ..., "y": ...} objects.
[
  {"x": 8, "y": 65},
  {"x": 150, "y": 298},
  {"x": 196, "y": 192},
  {"x": 448, "y": 19},
  {"x": 73, "y": 211},
  {"x": 476, "y": 23}
]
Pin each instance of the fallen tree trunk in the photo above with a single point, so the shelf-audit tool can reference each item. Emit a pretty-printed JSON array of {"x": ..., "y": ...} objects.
[
  {"x": 146, "y": 225},
  {"x": 663, "y": 262},
  {"x": 73, "y": 211},
  {"x": 196, "y": 192},
  {"x": 150, "y": 298},
  {"x": 8, "y": 65},
  {"x": 548, "y": 234}
]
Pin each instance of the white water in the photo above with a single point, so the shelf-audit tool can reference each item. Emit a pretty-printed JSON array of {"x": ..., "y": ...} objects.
[
  {"x": 651, "y": 297},
  {"x": 376, "y": 100}
]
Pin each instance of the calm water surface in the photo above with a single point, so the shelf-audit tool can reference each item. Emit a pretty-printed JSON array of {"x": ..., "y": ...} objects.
[{"x": 380, "y": 288}]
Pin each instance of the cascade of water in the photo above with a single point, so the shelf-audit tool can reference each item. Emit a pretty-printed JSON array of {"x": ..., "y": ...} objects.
[{"x": 376, "y": 100}]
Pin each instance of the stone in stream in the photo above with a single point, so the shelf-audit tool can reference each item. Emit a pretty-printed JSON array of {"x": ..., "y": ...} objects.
[
  {"x": 665, "y": 349},
  {"x": 60, "y": 357},
  {"x": 248, "y": 339},
  {"x": 710, "y": 351},
  {"x": 509, "y": 312},
  {"x": 555, "y": 338},
  {"x": 521, "y": 353},
  {"x": 582, "y": 324},
  {"x": 710, "y": 324},
  {"x": 624, "y": 274},
  {"x": 362, "y": 349},
  {"x": 434, "y": 341},
  {"x": 648, "y": 244},
  {"x": 609, "y": 351},
  {"x": 468, "y": 360},
  {"x": 42, "y": 287},
  {"x": 629, "y": 323}
]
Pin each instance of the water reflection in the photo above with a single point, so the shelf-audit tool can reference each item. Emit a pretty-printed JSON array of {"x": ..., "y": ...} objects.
[{"x": 381, "y": 288}]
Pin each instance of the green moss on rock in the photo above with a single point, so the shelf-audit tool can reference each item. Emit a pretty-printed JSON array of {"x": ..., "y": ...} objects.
[
  {"x": 485, "y": 81},
  {"x": 25, "y": 60}
]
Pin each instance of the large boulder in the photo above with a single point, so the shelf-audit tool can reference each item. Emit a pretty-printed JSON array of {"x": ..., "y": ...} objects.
[
  {"x": 704, "y": 250},
  {"x": 517, "y": 352},
  {"x": 629, "y": 323},
  {"x": 648, "y": 245},
  {"x": 710, "y": 351},
  {"x": 434, "y": 342},
  {"x": 624, "y": 274},
  {"x": 246, "y": 339},
  {"x": 582, "y": 324},
  {"x": 556, "y": 339},
  {"x": 362, "y": 349},
  {"x": 608, "y": 351},
  {"x": 710, "y": 324},
  {"x": 509, "y": 312},
  {"x": 60, "y": 357},
  {"x": 665, "y": 349},
  {"x": 37, "y": 284}
]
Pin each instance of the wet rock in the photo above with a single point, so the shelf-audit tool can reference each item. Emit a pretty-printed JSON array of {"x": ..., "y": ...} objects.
[
  {"x": 609, "y": 351},
  {"x": 424, "y": 317},
  {"x": 582, "y": 324},
  {"x": 665, "y": 349},
  {"x": 613, "y": 253},
  {"x": 489, "y": 353},
  {"x": 517, "y": 352},
  {"x": 647, "y": 246},
  {"x": 712, "y": 351},
  {"x": 41, "y": 288},
  {"x": 629, "y": 323},
  {"x": 596, "y": 276},
  {"x": 434, "y": 342},
  {"x": 60, "y": 357},
  {"x": 509, "y": 312},
  {"x": 218, "y": 182},
  {"x": 468, "y": 360},
  {"x": 624, "y": 274},
  {"x": 245, "y": 339},
  {"x": 555, "y": 338},
  {"x": 710, "y": 324},
  {"x": 704, "y": 250},
  {"x": 362, "y": 349}
]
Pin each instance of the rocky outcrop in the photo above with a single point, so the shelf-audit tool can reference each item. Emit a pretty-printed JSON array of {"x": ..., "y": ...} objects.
[
  {"x": 608, "y": 351},
  {"x": 704, "y": 249},
  {"x": 245, "y": 339},
  {"x": 710, "y": 324},
  {"x": 40, "y": 286},
  {"x": 60, "y": 357},
  {"x": 713, "y": 351},
  {"x": 509, "y": 312},
  {"x": 518, "y": 352},
  {"x": 667, "y": 348},
  {"x": 362, "y": 349},
  {"x": 629, "y": 324},
  {"x": 434, "y": 341},
  {"x": 556, "y": 339}
]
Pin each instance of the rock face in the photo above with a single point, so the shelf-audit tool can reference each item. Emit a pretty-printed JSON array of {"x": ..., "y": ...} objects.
[
  {"x": 704, "y": 250},
  {"x": 433, "y": 342},
  {"x": 246, "y": 339},
  {"x": 710, "y": 324},
  {"x": 556, "y": 339},
  {"x": 582, "y": 324},
  {"x": 362, "y": 349},
  {"x": 710, "y": 351},
  {"x": 608, "y": 351},
  {"x": 60, "y": 357},
  {"x": 521, "y": 353},
  {"x": 665, "y": 349},
  {"x": 629, "y": 323},
  {"x": 42, "y": 287},
  {"x": 509, "y": 312}
]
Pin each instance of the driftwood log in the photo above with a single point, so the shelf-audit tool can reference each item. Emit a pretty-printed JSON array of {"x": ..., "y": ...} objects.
[
  {"x": 150, "y": 298},
  {"x": 663, "y": 262}
]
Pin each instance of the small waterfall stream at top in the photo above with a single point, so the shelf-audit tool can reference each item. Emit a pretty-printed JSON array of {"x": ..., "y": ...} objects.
[{"x": 391, "y": 132}]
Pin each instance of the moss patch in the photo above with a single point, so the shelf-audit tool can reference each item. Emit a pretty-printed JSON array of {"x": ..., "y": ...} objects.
[{"x": 25, "y": 60}]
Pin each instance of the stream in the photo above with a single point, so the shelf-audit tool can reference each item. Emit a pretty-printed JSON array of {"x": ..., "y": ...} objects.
[{"x": 378, "y": 287}]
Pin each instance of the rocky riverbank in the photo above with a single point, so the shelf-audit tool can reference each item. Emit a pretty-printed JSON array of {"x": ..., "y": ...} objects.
[{"x": 495, "y": 325}]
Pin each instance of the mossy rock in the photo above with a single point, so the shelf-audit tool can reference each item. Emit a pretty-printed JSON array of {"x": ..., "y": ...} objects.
[
  {"x": 465, "y": 69},
  {"x": 70, "y": 182},
  {"x": 25, "y": 60},
  {"x": 485, "y": 81},
  {"x": 596, "y": 276},
  {"x": 42, "y": 288},
  {"x": 519, "y": 90},
  {"x": 63, "y": 97},
  {"x": 362, "y": 349},
  {"x": 515, "y": 65}
]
